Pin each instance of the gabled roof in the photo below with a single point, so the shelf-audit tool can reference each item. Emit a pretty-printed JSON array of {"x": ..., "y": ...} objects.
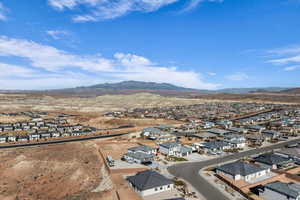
[
  {"x": 256, "y": 127},
  {"x": 271, "y": 132},
  {"x": 291, "y": 190},
  {"x": 152, "y": 130},
  {"x": 139, "y": 155},
  {"x": 215, "y": 144},
  {"x": 185, "y": 149},
  {"x": 148, "y": 179},
  {"x": 169, "y": 145},
  {"x": 271, "y": 159},
  {"x": 218, "y": 131},
  {"x": 141, "y": 148},
  {"x": 293, "y": 152},
  {"x": 240, "y": 168}
]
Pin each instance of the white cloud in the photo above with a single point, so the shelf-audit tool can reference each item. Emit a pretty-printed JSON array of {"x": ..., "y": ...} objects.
[
  {"x": 3, "y": 11},
  {"x": 8, "y": 70},
  {"x": 192, "y": 4},
  {"x": 212, "y": 73},
  {"x": 238, "y": 76},
  {"x": 286, "y": 60},
  {"x": 50, "y": 58},
  {"x": 98, "y": 10},
  {"x": 285, "y": 57},
  {"x": 57, "y": 34},
  {"x": 291, "y": 68},
  {"x": 142, "y": 69},
  {"x": 121, "y": 67}
]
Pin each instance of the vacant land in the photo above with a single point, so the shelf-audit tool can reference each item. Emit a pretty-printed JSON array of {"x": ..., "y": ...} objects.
[
  {"x": 13, "y": 119},
  {"x": 66, "y": 171},
  {"x": 107, "y": 103}
]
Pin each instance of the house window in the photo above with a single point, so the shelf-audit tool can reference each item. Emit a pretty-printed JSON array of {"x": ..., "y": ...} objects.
[
  {"x": 155, "y": 189},
  {"x": 168, "y": 186},
  {"x": 161, "y": 188}
]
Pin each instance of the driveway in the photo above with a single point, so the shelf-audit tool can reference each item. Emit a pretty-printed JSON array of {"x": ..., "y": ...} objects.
[{"x": 190, "y": 171}]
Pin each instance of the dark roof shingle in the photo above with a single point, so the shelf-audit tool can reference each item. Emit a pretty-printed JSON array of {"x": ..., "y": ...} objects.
[{"x": 148, "y": 179}]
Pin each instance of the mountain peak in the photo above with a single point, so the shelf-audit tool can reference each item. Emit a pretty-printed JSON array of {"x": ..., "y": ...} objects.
[{"x": 139, "y": 85}]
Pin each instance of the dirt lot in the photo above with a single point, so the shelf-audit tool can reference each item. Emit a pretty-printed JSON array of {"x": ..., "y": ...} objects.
[
  {"x": 66, "y": 171},
  {"x": 99, "y": 121},
  {"x": 100, "y": 104},
  {"x": 10, "y": 119},
  {"x": 116, "y": 149}
]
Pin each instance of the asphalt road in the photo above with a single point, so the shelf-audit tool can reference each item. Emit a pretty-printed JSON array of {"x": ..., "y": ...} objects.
[
  {"x": 60, "y": 141},
  {"x": 190, "y": 171}
]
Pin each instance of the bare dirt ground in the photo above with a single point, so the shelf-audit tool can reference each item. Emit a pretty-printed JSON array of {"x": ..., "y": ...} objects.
[
  {"x": 75, "y": 171},
  {"x": 66, "y": 171},
  {"x": 99, "y": 121},
  {"x": 107, "y": 103},
  {"x": 98, "y": 104},
  {"x": 13, "y": 119}
]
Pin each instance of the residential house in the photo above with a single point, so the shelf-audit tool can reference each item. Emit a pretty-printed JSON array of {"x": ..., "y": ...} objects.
[
  {"x": 278, "y": 190},
  {"x": 76, "y": 133},
  {"x": 165, "y": 127},
  {"x": 143, "y": 148},
  {"x": 3, "y": 138},
  {"x": 240, "y": 170},
  {"x": 236, "y": 141},
  {"x": 215, "y": 146},
  {"x": 55, "y": 134},
  {"x": 256, "y": 128},
  {"x": 27, "y": 127},
  {"x": 66, "y": 134},
  {"x": 238, "y": 130},
  {"x": 174, "y": 149},
  {"x": 11, "y": 138},
  {"x": 291, "y": 153},
  {"x": 138, "y": 157},
  {"x": 218, "y": 132},
  {"x": 205, "y": 135},
  {"x": 150, "y": 182},
  {"x": 255, "y": 138},
  {"x": 45, "y": 135},
  {"x": 151, "y": 132},
  {"x": 8, "y": 128},
  {"x": 208, "y": 125},
  {"x": 271, "y": 134},
  {"x": 225, "y": 123},
  {"x": 23, "y": 138},
  {"x": 34, "y": 136},
  {"x": 272, "y": 160}
]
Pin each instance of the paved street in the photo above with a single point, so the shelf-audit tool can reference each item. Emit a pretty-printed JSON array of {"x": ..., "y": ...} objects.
[{"x": 190, "y": 171}]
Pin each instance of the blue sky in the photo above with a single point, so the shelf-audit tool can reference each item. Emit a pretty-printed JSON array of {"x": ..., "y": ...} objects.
[{"x": 205, "y": 44}]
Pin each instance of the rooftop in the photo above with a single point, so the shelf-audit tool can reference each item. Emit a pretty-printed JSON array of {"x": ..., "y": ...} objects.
[
  {"x": 240, "y": 168},
  {"x": 148, "y": 179},
  {"x": 291, "y": 190},
  {"x": 271, "y": 159}
]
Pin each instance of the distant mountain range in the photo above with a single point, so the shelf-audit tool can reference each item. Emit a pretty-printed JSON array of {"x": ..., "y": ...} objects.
[
  {"x": 165, "y": 89},
  {"x": 291, "y": 91},
  {"x": 138, "y": 85}
]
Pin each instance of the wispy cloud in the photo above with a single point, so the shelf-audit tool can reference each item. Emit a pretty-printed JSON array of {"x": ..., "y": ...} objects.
[
  {"x": 8, "y": 70},
  {"x": 239, "y": 76},
  {"x": 212, "y": 73},
  {"x": 192, "y": 4},
  {"x": 291, "y": 68},
  {"x": 98, "y": 10},
  {"x": 57, "y": 34},
  {"x": 285, "y": 57},
  {"x": 122, "y": 66},
  {"x": 3, "y": 12}
]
